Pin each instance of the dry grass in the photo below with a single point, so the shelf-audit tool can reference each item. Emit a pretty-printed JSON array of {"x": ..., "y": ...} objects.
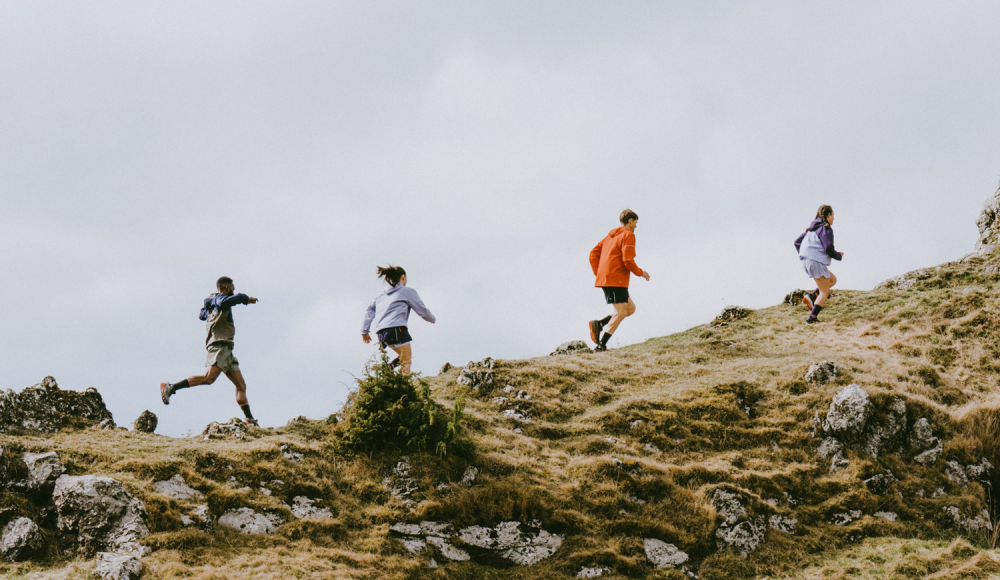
[{"x": 586, "y": 468}]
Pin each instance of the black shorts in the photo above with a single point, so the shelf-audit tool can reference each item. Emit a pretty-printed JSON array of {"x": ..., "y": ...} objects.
[
  {"x": 615, "y": 294},
  {"x": 397, "y": 335}
]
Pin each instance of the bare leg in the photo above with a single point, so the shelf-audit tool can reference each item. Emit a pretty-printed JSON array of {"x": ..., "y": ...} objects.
[
  {"x": 825, "y": 285},
  {"x": 405, "y": 356},
  {"x": 211, "y": 373},
  {"x": 241, "y": 387},
  {"x": 622, "y": 311}
]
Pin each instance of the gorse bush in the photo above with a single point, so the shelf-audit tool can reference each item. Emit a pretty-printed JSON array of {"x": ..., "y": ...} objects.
[{"x": 394, "y": 413}]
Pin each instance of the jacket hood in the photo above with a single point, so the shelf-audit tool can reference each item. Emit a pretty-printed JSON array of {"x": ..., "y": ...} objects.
[
  {"x": 816, "y": 224},
  {"x": 619, "y": 231},
  {"x": 393, "y": 289}
]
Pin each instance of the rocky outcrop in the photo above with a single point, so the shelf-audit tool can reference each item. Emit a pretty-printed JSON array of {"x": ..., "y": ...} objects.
[
  {"x": 478, "y": 375},
  {"x": 738, "y": 533},
  {"x": 43, "y": 471},
  {"x": 663, "y": 555},
  {"x": 523, "y": 544},
  {"x": 21, "y": 540},
  {"x": 45, "y": 407},
  {"x": 400, "y": 484},
  {"x": 231, "y": 429},
  {"x": 246, "y": 521},
  {"x": 146, "y": 423},
  {"x": 571, "y": 347},
  {"x": 731, "y": 314},
  {"x": 99, "y": 514},
  {"x": 848, "y": 413},
  {"x": 794, "y": 298},
  {"x": 111, "y": 566},
  {"x": 989, "y": 225}
]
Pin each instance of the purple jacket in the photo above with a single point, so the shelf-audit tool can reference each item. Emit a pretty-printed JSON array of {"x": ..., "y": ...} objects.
[{"x": 816, "y": 243}]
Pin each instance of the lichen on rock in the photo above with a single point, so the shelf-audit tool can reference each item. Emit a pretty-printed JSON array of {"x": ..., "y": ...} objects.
[{"x": 45, "y": 407}]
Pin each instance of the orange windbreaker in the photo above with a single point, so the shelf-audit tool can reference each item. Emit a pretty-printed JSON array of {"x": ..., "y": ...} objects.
[{"x": 614, "y": 258}]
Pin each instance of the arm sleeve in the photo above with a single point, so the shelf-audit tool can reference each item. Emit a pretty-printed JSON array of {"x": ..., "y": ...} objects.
[
  {"x": 826, "y": 236},
  {"x": 798, "y": 241},
  {"x": 230, "y": 301},
  {"x": 206, "y": 309},
  {"x": 414, "y": 301},
  {"x": 595, "y": 257},
  {"x": 628, "y": 255},
  {"x": 366, "y": 326}
]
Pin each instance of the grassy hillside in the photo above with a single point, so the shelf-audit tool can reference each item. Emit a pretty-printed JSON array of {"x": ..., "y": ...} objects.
[{"x": 620, "y": 447}]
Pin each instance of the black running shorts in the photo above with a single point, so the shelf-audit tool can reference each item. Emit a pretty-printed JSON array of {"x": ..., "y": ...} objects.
[
  {"x": 395, "y": 336},
  {"x": 615, "y": 294}
]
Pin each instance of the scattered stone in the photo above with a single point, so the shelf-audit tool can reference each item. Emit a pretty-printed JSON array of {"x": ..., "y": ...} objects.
[
  {"x": 290, "y": 454},
  {"x": 882, "y": 483},
  {"x": 112, "y": 566},
  {"x": 743, "y": 538},
  {"x": 731, "y": 314},
  {"x": 477, "y": 375},
  {"x": 571, "y": 347},
  {"x": 972, "y": 525},
  {"x": 523, "y": 544},
  {"x": 794, "y": 298},
  {"x": 234, "y": 428},
  {"x": 517, "y": 430},
  {"x": 416, "y": 537},
  {"x": 246, "y": 521},
  {"x": 303, "y": 508},
  {"x": 500, "y": 401},
  {"x": 930, "y": 456},
  {"x": 922, "y": 435},
  {"x": 839, "y": 462},
  {"x": 400, "y": 484},
  {"x": 890, "y": 516},
  {"x": 21, "y": 540},
  {"x": 956, "y": 473},
  {"x": 469, "y": 477},
  {"x": 177, "y": 488},
  {"x": 43, "y": 471},
  {"x": 596, "y": 572},
  {"x": 848, "y": 412},
  {"x": 938, "y": 493},
  {"x": 99, "y": 514},
  {"x": 663, "y": 555},
  {"x": 728, "y": 506},
  {"x": 45, "y": 407},
  {"x": 783, "y": 524},
  {"x": 515, "y": 415},
  {"x": 146, "y": 423},
  {"x": 830, "y": 447},
  {"x": 845, "y": 518},
  {"x": 445, "y": 368},
  {"x": 822, "y": 373}
]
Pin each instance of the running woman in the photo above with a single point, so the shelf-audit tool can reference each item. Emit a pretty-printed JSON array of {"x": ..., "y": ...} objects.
[
  {"x": 815, "y": 248},
  {"x": 218, "y": 317},
  {"x": 613, "y": 260},
  {"x": 390, "y": 311}
]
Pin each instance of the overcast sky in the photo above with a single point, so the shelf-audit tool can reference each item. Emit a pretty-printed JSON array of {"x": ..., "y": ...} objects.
[{"x": 148, "y": 148}]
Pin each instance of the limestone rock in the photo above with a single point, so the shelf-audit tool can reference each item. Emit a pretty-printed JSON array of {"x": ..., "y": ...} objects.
[
  {"x": 663, "y": 555},
  {"x": 783, "y": 524},
  {"x": 246, "y": 521},
  {"x": 882, "y": 483},
  {"x": 146, "y": 423},
  {"x": 888, "y": 435},
  {"x": 931, "y": 455},
  {"x": 922, "y": 435},
  {"x": 400, "y": 484},
  {"x": 478, "y": 375},
  {"x": 989, "y": 225},
  {"x": 728, "y": 506},
  {"x": 742, "y": 538},
  {"x": 303, "y": 508},
  {"x": 593, "y": 572},
  {"x": 43, "y": 471},
  {"x": 822, "y": 373},
  {"x": 21, "y": 540},
  {"x": 571, "y": 347},
  {"x": 177, "y": 488},
  {"x": 523, "y": 544},
  {"x": 845, "y": 518},
  {"x": 469, "y": 477},
  {"x": 290, "y": 454},
  {"x": 890, "y": 516},
  {"x": 839, "y": 462},
  {"x": 969, "y": 524},
  {"x": 112, "y": 566},
  {"x": 416, "y": 537},
  {"x": 232, "y": 429},
  {"x": 445, "y": 368},
  {"x": 45, "y": 407},
  {"x": 848, "y": 412},
  {"x": 829, "y": 447},
  {"x": 956, "y": 473},
  {"x": 794, "y": 298},
  {"x": 98, "y": 514},
  {"x": 731, "y": 314}
]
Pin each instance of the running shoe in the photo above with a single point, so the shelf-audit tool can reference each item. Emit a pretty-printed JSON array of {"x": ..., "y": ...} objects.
[
  {"x": 394, "y": 363},
  {"x": 808, "y": 300},
  {"x": 595, "y": 331},
  {"x": 166, "y": 389},
  {"x": 600, "y": 348},
  {"x": 251, "y": 422},
  {"x": 812, "y": 320}
]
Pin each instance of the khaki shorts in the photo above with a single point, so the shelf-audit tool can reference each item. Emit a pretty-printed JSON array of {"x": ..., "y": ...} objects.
[{"x": 221, "y": 355}]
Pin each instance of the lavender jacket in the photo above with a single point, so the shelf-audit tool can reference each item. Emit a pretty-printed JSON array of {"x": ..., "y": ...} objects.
[{"x": 817, "y": 243}]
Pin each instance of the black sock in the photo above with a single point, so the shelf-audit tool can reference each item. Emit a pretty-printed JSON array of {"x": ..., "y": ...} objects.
[
  {"x": 180, "y": 385},
  {"x": 605, "y": 339},
  {"x": 604, "y": 321},
  {"x": 814, "y": 294},
  {"x": 815, "y": 311},
  {"x": 246, "y": 411}
]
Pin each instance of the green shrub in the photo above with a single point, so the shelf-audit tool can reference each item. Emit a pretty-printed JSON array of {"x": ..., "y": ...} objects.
[{"x": 395, "y": 413}]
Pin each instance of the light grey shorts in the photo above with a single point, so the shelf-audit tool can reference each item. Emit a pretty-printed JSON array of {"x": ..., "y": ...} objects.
[
  {"x": 221, "y": 355},
  {"x": 815, "y": 269}
]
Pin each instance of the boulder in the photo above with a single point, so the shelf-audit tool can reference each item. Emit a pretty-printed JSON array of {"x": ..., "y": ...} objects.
[
  {"x": 794, "y": 298},
  {"x": 839, "y": 462},
  {"x": 45, "y": 407},
  {"x": 571, "y": 347},
  {"x": 822, "y": 373},
  {"x": 43, "y": 471},
  {"x": 146, "y": 422},
  {"x": 177, "y": 488},
  {"x": 848, "y": 412},
  {"x": 416, "y": 538},
  {"x": 232, "y": 429},
  {"x": 445, "y": 368},
  {"x": 98, "y": 514},
  {"x": 663, "y": 555},
  {"x": 731, "y": 314},
  {"x": 523, "y": 544},
  {"x": 111, "y": 566},
  {"x": 478, "y": 375},
  {"x": 21, "y": 540},
  {"x": 246, "y": 521}
]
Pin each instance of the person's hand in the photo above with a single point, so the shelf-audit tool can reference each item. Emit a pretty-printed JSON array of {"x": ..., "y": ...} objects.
[
  {"x": 366, "y": 338},
  {"x": 842, "y": 254},
  {"x": 645, "y": 275},
  {"x": 252, "y": 300}
]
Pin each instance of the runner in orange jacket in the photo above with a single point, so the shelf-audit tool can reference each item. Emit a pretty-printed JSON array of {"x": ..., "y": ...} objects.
[{"x": 613, "y": 260}]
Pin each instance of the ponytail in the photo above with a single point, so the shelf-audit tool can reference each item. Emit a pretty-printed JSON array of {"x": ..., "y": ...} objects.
[
  {"x": 391, "y": 274},
  {"x": 824, "y": 212}
]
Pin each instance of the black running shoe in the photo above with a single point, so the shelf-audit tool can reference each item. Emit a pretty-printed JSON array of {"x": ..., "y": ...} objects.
[
  {"x": 394, "y": 363},
  {"x": 600, "y": 348},
  {"x": 812, "y": 320},
  {"x": 595, "y": 331}
]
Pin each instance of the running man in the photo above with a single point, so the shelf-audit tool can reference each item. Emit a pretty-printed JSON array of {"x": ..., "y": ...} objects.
[
  {"x": 221, "y": 330},
  {"x": 612, "y": 260}
]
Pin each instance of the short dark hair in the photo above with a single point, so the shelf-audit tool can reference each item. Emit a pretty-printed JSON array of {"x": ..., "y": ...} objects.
[
  {"x": 223, "y": 280},
  {"x": 392, "y": 274},
  {"x": 628, "y": 215},
  {"x": 824, "y": 212}
]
